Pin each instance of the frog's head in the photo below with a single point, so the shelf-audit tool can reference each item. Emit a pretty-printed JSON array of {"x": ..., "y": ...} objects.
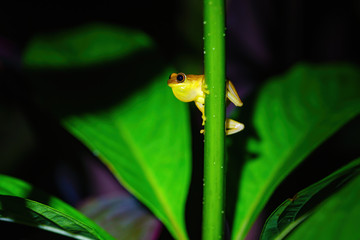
[
  {"x": 177, "y": 79},
  {"x": 185, "y": 88}
]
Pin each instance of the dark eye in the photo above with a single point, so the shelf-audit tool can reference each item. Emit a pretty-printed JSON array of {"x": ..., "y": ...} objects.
[{"x": 180, "y": 77}]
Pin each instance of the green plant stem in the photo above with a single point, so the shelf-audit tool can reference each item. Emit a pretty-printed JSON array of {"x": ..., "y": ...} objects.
[{"x": 214, "y": 57}]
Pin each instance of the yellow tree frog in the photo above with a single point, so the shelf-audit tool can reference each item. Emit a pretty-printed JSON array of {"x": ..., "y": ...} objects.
[{"x": 188, "y": 88}]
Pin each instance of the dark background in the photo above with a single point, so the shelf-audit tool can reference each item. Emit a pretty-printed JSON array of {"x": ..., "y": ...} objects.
[{"x": 264, "y": 38}]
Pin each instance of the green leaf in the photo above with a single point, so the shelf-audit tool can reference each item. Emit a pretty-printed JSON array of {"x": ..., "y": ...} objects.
[
  {"x": 293, "y": 212},
  {"x": 84, "y": 45},
  {"x": 337, "y": 218},
  {"x": 145, "y": 141},
  {"x": 21, "y": 203},
  {"x": 294, "y": 114}
]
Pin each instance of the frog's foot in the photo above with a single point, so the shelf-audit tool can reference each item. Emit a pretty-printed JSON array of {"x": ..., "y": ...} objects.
[
  {"x": 232, "y": 126},
  {"x": 205, "y": 89},
  {"x": 232, "y": 94},
  {"x": 204, "y": 119},
  {"x": 202, "y": 131}
]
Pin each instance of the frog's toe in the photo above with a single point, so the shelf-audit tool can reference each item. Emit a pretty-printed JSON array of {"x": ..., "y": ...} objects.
[
  {"x": 232, "y": 94},
  {"x": 205, "y": 89},
  {"x": 233, "y": 126},
  {"x": 204, "y": 119}
]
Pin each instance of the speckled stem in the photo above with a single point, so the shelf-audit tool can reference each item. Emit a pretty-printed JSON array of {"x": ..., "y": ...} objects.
[{"x": 214, "y": 58}]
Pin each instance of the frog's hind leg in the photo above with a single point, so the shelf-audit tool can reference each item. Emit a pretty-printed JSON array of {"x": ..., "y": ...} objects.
[
  {"x": 232, "y": 94},
  {"x": 232, "y": 126}
]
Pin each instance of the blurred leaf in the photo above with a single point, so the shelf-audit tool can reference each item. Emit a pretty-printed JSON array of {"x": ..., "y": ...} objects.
[
  {"x": 295, "y": 211},
  {"x": 122, "y": 216},
  {"x": 294, "y": 114},
  {"x": 145, "y": 141},
  {"x": 84, "y": 45},
  {"x": 21, "y": 203},
  {"x": 337, "y": 218}
]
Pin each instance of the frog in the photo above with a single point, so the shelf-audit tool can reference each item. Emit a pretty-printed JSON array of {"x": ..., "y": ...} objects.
[{"x": 192, "y": 88}]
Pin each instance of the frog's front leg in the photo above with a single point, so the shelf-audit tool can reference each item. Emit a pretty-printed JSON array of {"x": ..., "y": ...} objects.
[
  {"x": 232, "y": 126},
  {"x": 201, "y": 107}
]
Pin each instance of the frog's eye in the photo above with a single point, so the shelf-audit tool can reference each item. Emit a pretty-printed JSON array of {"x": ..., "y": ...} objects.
[{"x": 180, "y": 77}]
